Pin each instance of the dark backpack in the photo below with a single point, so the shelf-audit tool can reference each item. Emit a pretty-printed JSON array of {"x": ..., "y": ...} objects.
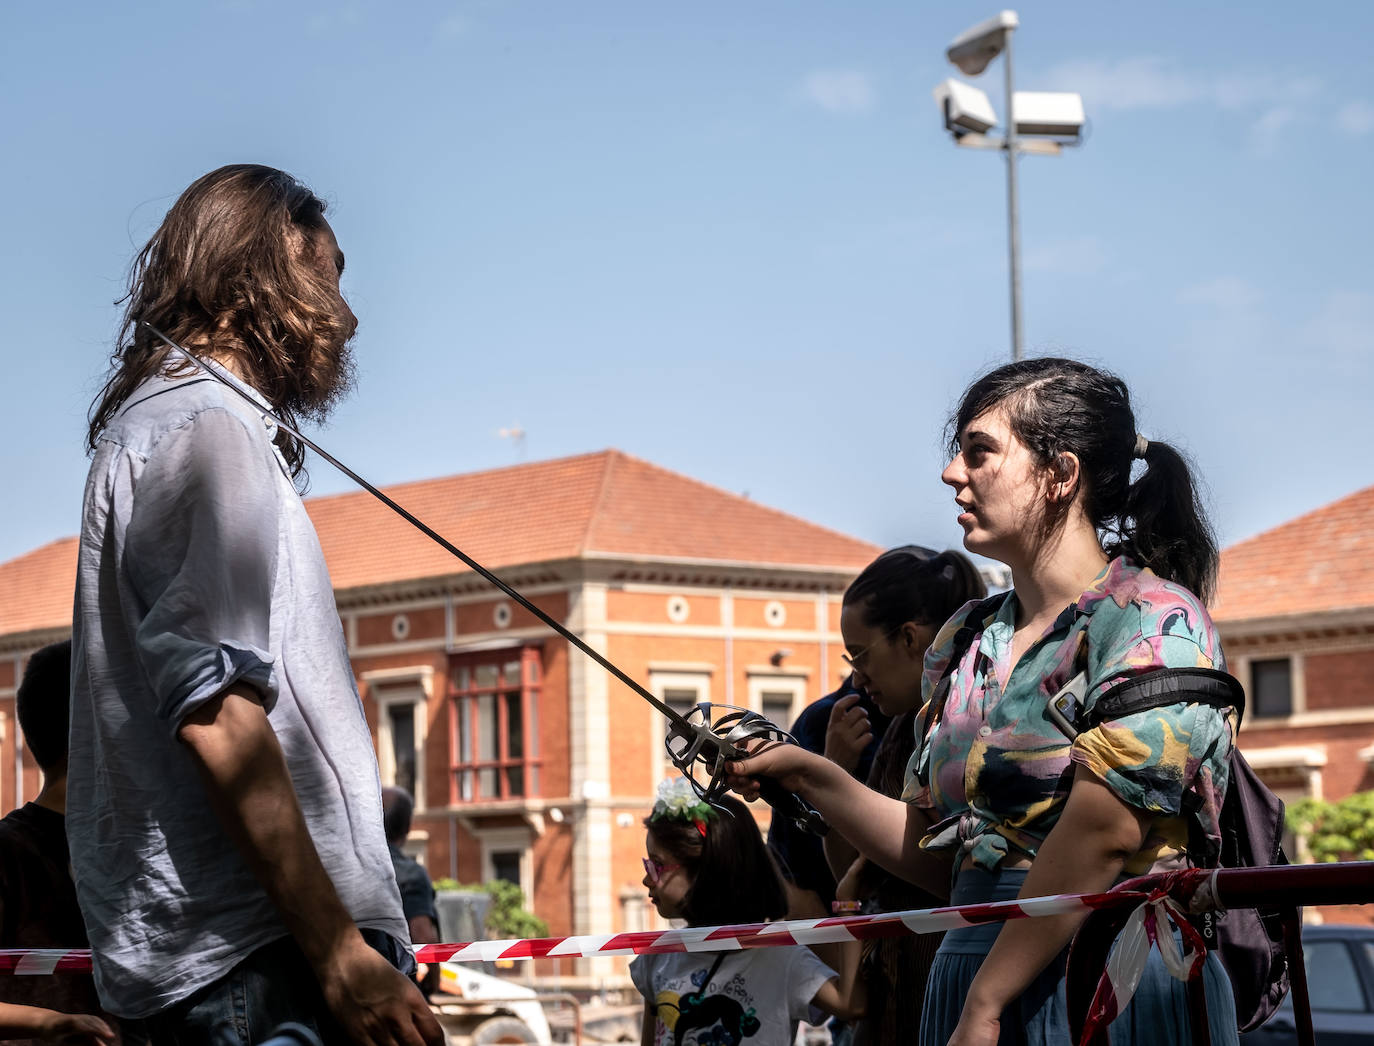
[{"x": 1249, "y": 941}]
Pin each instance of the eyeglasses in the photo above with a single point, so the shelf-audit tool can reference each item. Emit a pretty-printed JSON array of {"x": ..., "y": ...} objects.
[
  {"x": 856, "y": 663},
  {"x": 924, "y": 558},
  {"x": 656, "y": 870}
]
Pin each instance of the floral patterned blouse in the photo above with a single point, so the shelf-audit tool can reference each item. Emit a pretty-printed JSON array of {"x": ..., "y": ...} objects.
[{"x": 999, "y": 770}]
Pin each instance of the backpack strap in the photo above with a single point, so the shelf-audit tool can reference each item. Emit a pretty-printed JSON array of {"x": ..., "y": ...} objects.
[
  {"x": 963, "y": 639},
  {"x": 1166, "y": 686}
]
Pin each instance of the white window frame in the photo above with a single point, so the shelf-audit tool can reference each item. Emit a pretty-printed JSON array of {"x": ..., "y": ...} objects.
[
  {"x": 1307, "y": 761},
  {"x": 492, "y": 840},
  {"x": 660, "y": 682},
  {"x": 421, "y": 678},
  {"x": 794, "y": 683},
  {"x": 1296, "y": 686}
]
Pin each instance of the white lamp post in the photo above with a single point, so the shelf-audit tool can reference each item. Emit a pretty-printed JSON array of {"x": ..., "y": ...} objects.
[{"x": 1037, "y": 122}]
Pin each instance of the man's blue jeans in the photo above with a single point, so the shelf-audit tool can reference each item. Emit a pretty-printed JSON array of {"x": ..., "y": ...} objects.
[{"x": 272, "y": 986}]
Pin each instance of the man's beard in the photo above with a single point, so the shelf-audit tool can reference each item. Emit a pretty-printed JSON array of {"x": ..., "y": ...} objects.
[{"x": 330, "y": 373}]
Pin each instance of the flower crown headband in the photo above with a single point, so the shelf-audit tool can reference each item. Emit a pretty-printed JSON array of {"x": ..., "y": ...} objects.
[{"x": 677, "y": 801}]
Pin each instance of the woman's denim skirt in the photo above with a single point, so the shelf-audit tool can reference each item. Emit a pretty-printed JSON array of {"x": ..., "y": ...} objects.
[{"x": 1157, "y": 1014}]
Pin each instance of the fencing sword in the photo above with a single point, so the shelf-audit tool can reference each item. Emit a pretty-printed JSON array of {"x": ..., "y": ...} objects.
[{"x": 699, "y": 743}]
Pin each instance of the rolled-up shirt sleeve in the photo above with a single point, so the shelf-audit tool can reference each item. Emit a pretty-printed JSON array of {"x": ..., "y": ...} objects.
[
  {"x": 1149, "y": 759},
  {"x": 201, "y": 552}
]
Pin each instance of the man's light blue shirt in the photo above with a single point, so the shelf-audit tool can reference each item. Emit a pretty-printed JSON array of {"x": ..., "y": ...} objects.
[{"x": 198, "y": 568}]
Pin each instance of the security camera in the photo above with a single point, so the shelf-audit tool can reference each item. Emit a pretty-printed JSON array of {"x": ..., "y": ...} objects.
[
  {"x": 974, "y": 48},
  {"x": 966, "y": 108}
]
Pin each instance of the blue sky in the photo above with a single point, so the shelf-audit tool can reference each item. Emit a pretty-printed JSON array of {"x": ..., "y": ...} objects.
[{"x": 731, "y": 238}]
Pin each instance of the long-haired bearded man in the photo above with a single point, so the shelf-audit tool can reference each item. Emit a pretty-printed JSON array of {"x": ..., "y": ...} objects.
[{"x": 224, "y": 807}]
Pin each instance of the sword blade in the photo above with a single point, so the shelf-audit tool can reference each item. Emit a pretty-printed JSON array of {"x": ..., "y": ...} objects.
[{"x": 675, "y": 717}]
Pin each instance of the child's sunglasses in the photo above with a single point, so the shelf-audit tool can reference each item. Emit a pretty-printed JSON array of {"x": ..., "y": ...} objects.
[{"x": 656, "y": 871}]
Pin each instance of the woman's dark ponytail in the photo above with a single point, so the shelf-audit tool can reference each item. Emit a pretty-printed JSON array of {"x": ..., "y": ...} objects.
[{"x": 1164, "y": 526}]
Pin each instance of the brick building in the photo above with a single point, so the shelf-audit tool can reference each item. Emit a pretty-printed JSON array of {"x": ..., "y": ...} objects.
[
  {"x": 1296, "y": 613},
  {"x": 527, "y": 760}
]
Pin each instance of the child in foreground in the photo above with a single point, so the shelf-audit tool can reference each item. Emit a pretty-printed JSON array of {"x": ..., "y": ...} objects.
[{"x": 708, "y": 865}]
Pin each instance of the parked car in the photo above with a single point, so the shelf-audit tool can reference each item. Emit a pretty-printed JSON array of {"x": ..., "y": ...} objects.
[{"x": 1340, "y": 981}]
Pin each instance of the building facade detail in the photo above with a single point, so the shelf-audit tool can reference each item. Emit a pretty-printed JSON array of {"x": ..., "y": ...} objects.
[
  {"x": 529, "y": 762},
  {"x": 1296, "y": 614}
]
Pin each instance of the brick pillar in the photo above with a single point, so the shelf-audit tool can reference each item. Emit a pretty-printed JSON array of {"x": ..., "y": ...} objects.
[{"x": 593, "y": 893}]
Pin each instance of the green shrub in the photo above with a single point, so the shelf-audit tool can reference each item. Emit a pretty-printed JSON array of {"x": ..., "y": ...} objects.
[
  {"x": 507, "y": 917},
  {"x": 1336, "y": 831}
]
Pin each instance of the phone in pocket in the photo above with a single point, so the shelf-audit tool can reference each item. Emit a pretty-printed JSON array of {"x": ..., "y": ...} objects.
[{"x": 1064, "y": 706}]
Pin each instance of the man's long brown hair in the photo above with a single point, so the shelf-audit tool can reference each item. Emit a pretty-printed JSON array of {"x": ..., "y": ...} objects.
[{"x": 232, "y": 273}]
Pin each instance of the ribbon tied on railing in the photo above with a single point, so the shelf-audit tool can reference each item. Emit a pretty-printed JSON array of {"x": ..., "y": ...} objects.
[{"x": 1151, "y": 925}]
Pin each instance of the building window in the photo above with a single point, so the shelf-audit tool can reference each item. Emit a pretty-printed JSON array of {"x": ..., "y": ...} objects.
[
  {"x": 1271, "y": 688},
  {"x": 777, "y": 697},
  {"x": 680, "y": 691},
  {"x": 507, "y": 855},
  {"x": 400, "y": 696},
  {"x": 505, "y": 865},
  {"x": 681, "y": 700},
  {"x": 493, "y": 723},
  {"x": 401, "y": 719},
  {"x": 776, "y": 707}
]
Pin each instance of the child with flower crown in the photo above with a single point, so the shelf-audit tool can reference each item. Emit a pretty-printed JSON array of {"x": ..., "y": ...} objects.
[{"x": 708, "y": 865}]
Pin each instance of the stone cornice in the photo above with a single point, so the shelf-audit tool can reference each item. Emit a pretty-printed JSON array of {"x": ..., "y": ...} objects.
[
  {"x": 1339, "y": 626},
  {"x": 17, "y": 642},
  {"x": 603, "y": 569}
]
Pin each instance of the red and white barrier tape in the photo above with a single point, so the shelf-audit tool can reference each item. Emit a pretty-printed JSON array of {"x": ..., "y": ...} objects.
[
  {"x": 690, "y": 939},
  {"x": 1151, "y": 925}
]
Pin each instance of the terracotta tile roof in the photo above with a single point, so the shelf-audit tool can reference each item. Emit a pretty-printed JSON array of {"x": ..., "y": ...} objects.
[
  {"x": 606, "y": 503},
  {"x": 1321, "y": 561},
  {"x": 36, "y": 588}
]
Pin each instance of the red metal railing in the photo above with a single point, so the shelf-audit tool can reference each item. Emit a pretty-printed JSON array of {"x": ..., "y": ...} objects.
[{"x": 1285, "y": 886}]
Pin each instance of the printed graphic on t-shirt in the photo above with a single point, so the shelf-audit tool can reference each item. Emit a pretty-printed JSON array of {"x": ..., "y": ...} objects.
[{"x": 709, "y": 1015}]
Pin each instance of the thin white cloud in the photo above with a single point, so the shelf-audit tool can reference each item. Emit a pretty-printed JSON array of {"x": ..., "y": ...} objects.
[
  {"x": 1129, "y": 83},
  {"x": 1266, "y": 130},
  {"x": 1152, "y": 82},
  {"x": 1223, "y": 292},
  {"x": 1271, "y": 102},
  {"x": 1244, "y": 91},
  {"x": 1077, "y": 256},
  {"x": 1356, "y": 118},
  {"x": 843, "y": 91}
]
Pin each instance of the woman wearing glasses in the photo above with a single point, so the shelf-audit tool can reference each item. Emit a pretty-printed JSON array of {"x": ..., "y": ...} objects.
[
  {"x": 1110, "y": 575},
  {"x": 889, "y": 616}
]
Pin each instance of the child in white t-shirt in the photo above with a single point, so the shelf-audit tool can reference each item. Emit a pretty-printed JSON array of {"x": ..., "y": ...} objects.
[{"x": 709, "y": 866}]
